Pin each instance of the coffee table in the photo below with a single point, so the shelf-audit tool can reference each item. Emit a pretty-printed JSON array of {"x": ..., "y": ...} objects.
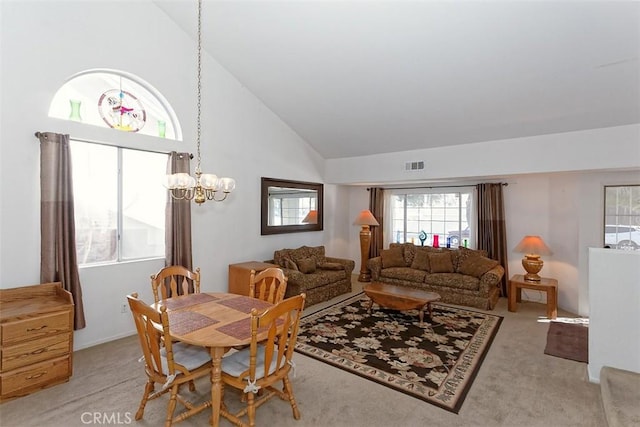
[{"x": 400, "y": 297}]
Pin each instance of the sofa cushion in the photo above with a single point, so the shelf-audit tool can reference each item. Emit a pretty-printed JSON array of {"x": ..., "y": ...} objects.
[
  {"x": 441, "y": 262},
  {"x": 290, "y": 264},
  {"x": 404, "y": 273},
  {"x": 476, "y": 266},
  {"x": 463, "y": 253},
  {"x": 316, "y": 279},
  {"x": 392, "y": 257},
  {"x": 453, "y": 280},
  {"x": 331, "y": 266},
  {"x": 307, "y": 265},
  {"x": 421, "y": 261}
]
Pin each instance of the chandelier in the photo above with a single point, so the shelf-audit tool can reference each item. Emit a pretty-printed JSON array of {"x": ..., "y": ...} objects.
[{"x": 204, "y": 186}]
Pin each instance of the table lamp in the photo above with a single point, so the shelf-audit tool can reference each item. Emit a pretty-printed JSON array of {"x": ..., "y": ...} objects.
[
  {"x": 532, "y": 247},
  {"x": 311, "y": 218},
  {"x": 365, "y": 219}
]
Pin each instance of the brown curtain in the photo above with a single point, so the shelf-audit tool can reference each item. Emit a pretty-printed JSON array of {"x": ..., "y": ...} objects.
[
  {"x": 376, "y": 206},
  {"x": 178, "y": 219},
  {"x": 58, "y": 261},
  {"x": 492, "y": 234}
]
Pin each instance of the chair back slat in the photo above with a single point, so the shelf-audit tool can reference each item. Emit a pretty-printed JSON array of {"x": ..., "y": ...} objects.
[
  {"x": 282, "y": 322},
  {"x": 269, "y": 285},
  {"x": 175, "y": 280}
]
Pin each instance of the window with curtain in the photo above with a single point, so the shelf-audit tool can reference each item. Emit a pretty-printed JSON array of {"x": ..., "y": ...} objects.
[
  {"x": 622, "y": 217},
  {"x": 449, "y": 214},
  {"x": 119, "y": 203}
]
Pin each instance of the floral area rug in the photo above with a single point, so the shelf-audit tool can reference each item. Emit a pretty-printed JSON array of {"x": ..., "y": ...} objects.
[{"x": 435, "y": 362}]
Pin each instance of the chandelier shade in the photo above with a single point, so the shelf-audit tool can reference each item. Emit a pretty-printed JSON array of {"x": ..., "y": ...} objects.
[{"x": 204, "y": 186}]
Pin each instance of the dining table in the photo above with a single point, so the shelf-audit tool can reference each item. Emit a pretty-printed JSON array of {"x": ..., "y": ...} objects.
[{"x": 217, "y": 321}]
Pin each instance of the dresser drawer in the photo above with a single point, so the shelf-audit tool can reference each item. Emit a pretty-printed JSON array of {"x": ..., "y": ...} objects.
[
  {"x": 23, "y": 381},
  {"x": 34, "y": 328},
  {"x": 26, "y": 353}
]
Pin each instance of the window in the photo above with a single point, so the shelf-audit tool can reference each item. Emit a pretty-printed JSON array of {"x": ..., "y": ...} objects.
[
  {"x": 622, "y": 217},
  {"x": 118, "y": 100},
  {"x": 449, "y": 215},
  {"x": 119, "y": 203}
]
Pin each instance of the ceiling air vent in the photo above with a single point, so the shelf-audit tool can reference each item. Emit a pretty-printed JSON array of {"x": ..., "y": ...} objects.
[{"x": 414, "y": 166}]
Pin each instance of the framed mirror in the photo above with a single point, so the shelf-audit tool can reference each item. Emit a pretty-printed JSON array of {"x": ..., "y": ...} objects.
[{"x": 290, "y": 206}]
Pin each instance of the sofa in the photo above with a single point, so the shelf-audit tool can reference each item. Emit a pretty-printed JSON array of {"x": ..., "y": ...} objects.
[
  {"x": 308, "y": 270},
  {"x": 461, "y": 276}
]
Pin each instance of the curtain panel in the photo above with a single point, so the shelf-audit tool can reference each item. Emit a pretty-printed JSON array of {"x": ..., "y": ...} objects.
[
  {"x": 376, "y": 206},
  {"x": 492, "y": 234},
  {"x": 58, "y": 259},
  {"x": 178, "y": 250}
]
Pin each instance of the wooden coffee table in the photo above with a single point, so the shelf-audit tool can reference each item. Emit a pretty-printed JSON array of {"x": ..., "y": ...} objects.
[{"x": 400, "y": 297}]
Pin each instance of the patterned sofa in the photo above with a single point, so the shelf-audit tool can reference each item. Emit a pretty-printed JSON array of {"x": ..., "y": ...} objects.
[
  {"x": 461, "y": 276},
  {"x": 308, "y": 270}
]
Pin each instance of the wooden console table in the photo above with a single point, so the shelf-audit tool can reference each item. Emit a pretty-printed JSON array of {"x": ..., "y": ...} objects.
[
  {"x": 240, "y": 273},
  {"x": 550, "y": 286}
]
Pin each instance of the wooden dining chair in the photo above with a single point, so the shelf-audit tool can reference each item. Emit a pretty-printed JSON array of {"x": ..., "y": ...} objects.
[
  {"x": 168, "y": 364},
  {"x": 264, "y": 363},
  {"x": 175, "y": 280},
  {"x": 269, "y": 285}
]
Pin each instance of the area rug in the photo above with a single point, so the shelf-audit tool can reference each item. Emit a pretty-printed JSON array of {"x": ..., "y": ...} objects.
[
  {"x": 568, "y": 341},
  {"x": 435, "y": 362}
]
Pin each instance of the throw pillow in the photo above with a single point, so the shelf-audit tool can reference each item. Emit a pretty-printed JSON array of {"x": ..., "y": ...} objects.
[
  {"x": 331, "y": 266},
  {"x": 392, "y": 257},
  {"x": 307, "y": 265},
  {"x": 440, "y": 262},
  {"x": 464, "y": 253},
  {"x": 290, "y": 264},
  {"x": 476, "y": 266},
  {"x": 421, "y": 261}
]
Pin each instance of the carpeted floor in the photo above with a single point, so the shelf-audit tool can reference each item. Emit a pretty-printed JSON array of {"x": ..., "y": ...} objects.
[
  {"x": 435, "y": 361},
  {"x": 517, "y": 385}
]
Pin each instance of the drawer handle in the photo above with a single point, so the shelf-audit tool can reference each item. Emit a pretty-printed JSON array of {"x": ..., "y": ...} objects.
[
  {"x": 36, "y": 329},
  {"x": 38, "y": 375},
  {"x": 40, "y": 350}
]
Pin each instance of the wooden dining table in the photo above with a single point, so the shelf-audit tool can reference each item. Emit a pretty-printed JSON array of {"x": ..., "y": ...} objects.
[{"x": 218, "y": 321}]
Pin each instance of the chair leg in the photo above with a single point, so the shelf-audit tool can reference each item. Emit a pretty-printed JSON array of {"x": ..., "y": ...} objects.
[
  {"x": 172, "y": 406},
  {"x": 192, "y": 386},
  {"x": 289, "y": 391},
  {"x": 251, "y": 408},
  {"x": 148, "y": 389}
]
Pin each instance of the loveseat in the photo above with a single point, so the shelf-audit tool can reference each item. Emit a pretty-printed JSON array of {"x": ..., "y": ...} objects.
[
  {"x": 308, "y": 270},
  {"x": 461, "y": 276}
]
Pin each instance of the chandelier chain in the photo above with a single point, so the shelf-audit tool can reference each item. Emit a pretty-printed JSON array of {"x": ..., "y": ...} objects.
[{"x": 199, "y": 82}]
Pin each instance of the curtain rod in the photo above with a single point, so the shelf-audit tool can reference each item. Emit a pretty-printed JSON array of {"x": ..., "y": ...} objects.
[
  {"x": 436, "y": 186},
  {"x": 38, "y": 134}
]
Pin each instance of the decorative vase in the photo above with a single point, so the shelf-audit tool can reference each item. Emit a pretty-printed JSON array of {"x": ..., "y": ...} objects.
[
  {"x": 75, "y": 110},
  {"x": 436, "y": 243}
]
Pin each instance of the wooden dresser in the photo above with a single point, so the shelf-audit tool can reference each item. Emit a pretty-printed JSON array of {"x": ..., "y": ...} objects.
[
  {"x": 36, "y": 339},
  {"x": 240, "y": 273}
]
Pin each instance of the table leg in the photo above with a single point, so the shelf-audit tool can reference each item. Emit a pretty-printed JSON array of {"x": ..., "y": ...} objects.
[
  {"x": 421, "y": 315},
  {"x": 512, "y": 296},
  {"x": 552, "y": 303},
  {"x": 216, "y": 384},
  {"x": 370, "y": 305}
]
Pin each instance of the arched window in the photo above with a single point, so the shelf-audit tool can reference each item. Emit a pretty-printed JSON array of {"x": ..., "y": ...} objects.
[{"x": 118, "y": 100}]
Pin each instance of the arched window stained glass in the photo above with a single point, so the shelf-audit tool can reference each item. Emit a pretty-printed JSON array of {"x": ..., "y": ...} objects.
[{"x": 118, "y": 100}]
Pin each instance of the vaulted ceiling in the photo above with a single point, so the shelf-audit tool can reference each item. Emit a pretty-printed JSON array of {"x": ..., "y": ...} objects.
[{"x": 361, "y": 77}]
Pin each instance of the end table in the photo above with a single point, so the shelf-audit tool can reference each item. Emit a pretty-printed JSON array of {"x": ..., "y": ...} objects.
[
  {"x": 550, "y": 286},
  {"x": 240, "y": 273}
]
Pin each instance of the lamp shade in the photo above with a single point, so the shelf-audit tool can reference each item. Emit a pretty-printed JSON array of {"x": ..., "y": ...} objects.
[
  {"x": 311, "y": 218},
  {"x": 533, "y": 245},
  {"x": 365, "y": 217}
]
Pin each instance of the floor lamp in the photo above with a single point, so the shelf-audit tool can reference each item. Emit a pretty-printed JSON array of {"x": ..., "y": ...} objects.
[{"x": 365, "y": 219}]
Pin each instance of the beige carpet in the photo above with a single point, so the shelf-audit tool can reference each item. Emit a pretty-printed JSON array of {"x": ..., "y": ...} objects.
[{"x": 517, "y": 385}]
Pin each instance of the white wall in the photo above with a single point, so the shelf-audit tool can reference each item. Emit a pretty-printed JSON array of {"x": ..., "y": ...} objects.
[
  {"x": 44, "y": 43},
  {"x": 614, "y": 336}
]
